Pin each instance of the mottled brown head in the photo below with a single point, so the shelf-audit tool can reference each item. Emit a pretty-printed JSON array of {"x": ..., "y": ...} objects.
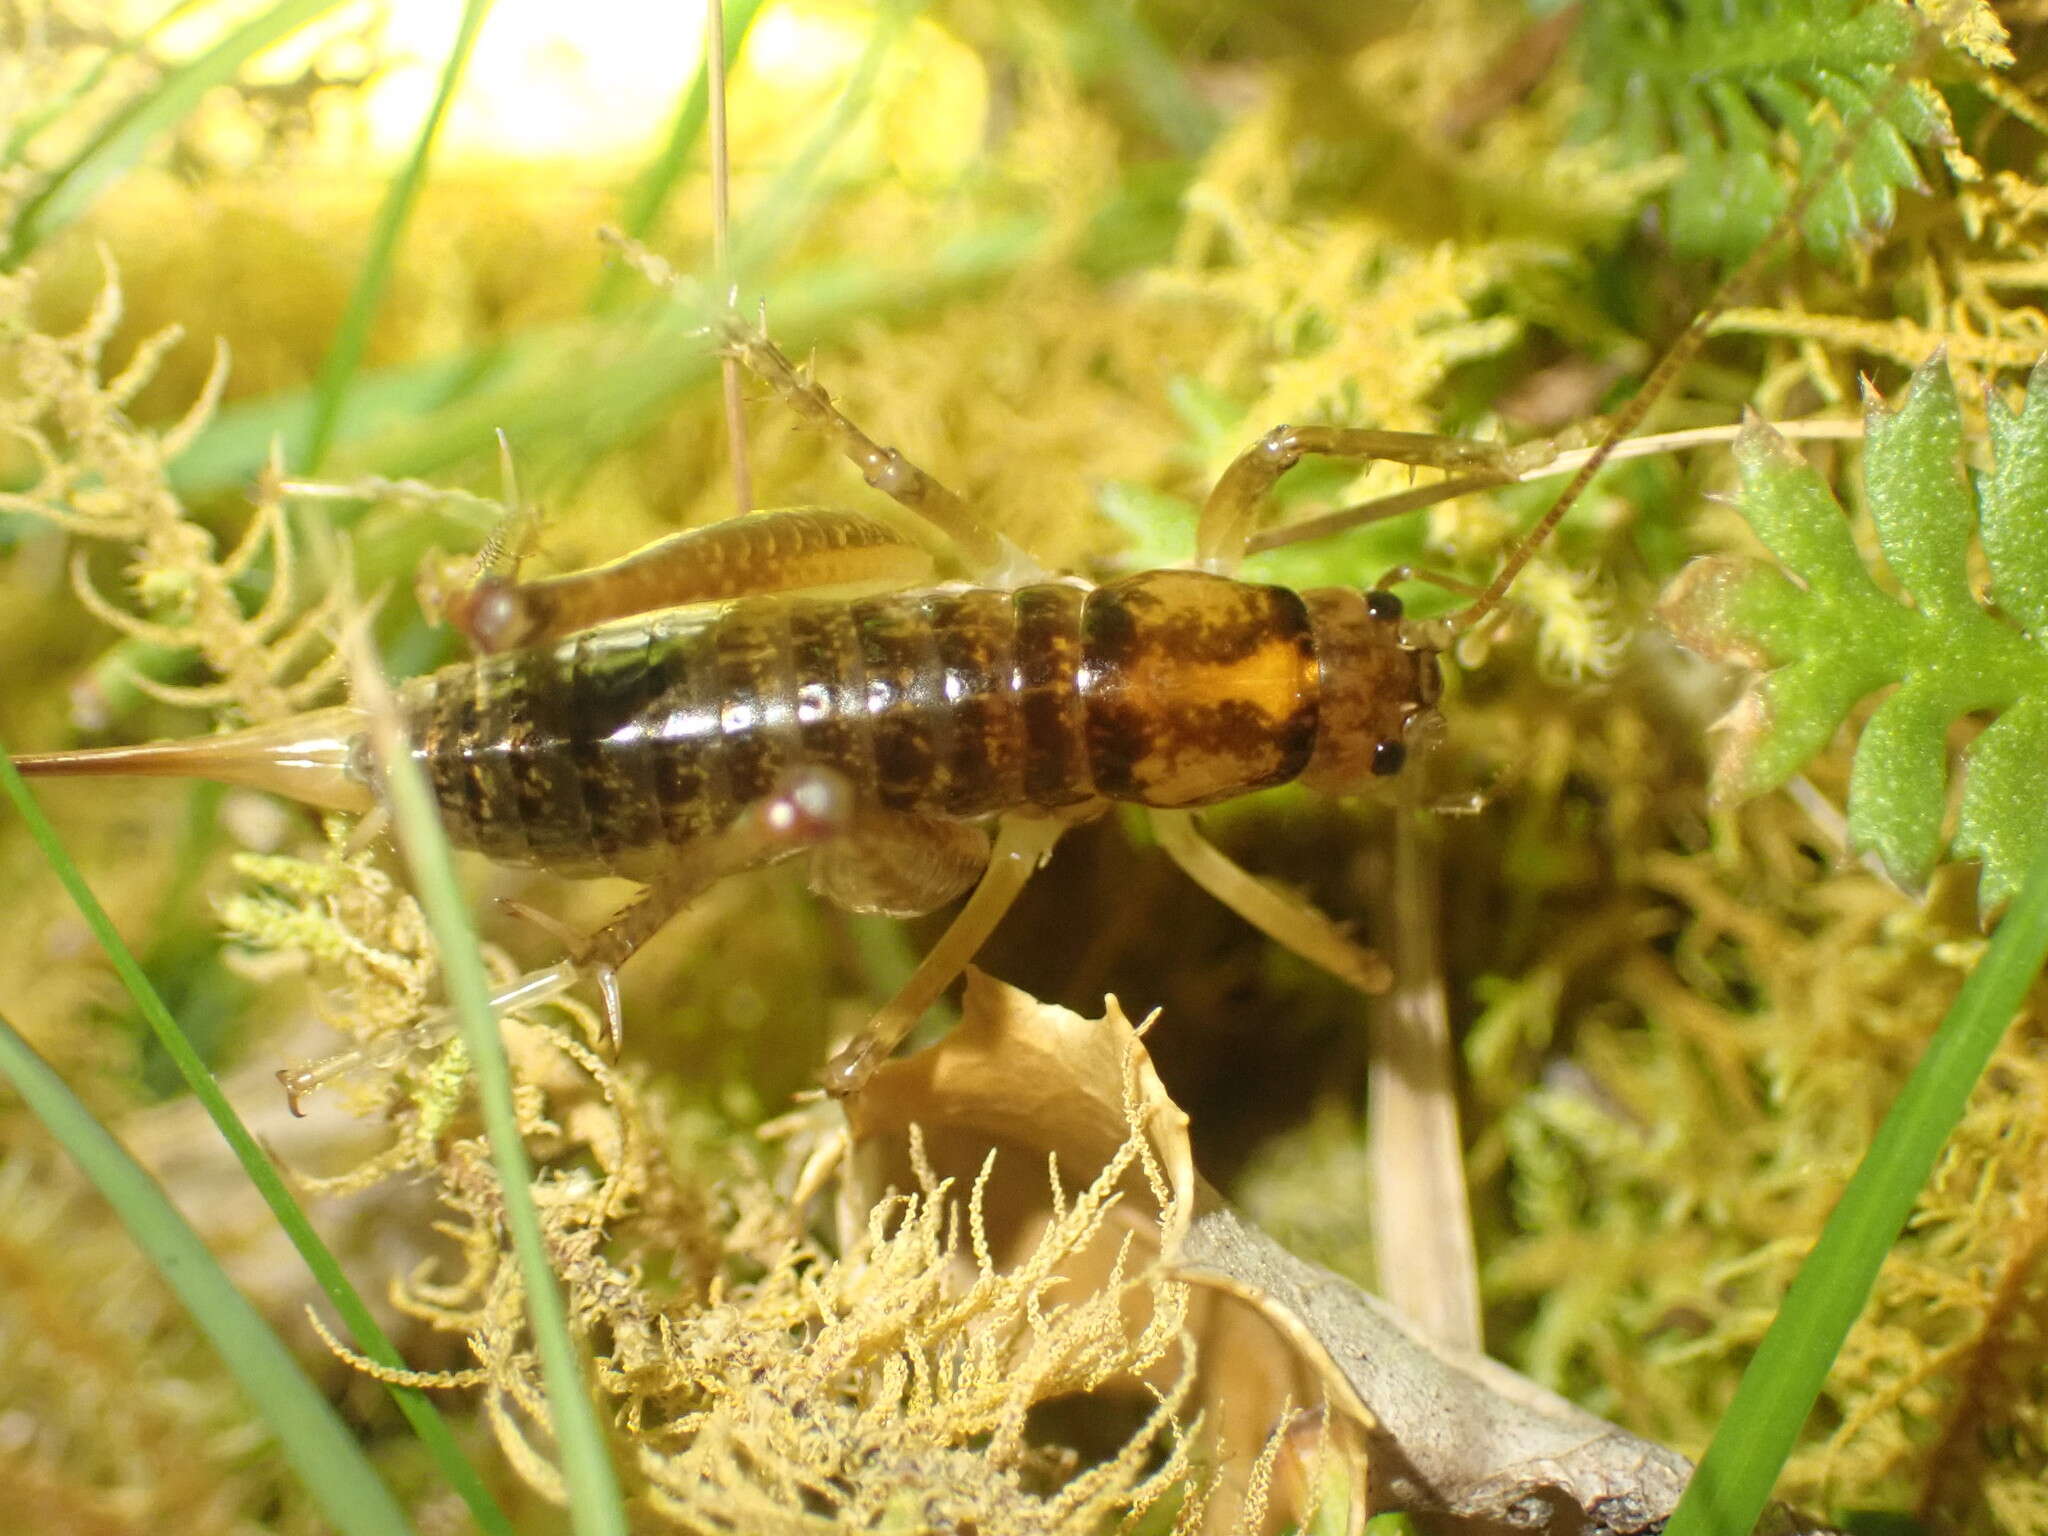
[{"x": 1373, "y": 688}]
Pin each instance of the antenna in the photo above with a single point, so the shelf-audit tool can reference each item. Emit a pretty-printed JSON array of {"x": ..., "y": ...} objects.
[{"x": 1690, "y": 340}]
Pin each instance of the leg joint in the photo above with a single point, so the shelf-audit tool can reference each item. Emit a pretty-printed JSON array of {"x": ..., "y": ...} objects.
[
  {"x": 890, "y": 473},
  {"x": 1280, "y": 449}
]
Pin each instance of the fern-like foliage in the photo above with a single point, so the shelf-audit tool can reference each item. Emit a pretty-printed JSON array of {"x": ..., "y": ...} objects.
[
  {"x": 1733, "y": 85},
  {"x": 1831, "y": 635}
]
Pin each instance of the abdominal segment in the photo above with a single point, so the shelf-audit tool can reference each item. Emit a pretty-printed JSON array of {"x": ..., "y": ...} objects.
[{"x": 596, "y": 752}]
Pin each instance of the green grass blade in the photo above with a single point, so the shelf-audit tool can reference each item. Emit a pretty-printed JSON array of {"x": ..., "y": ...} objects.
[
  {"x": 352, "y": 338},
  {"x": 1158, "y": 85},
  {"x": 88, "y": 81},
  {"x": 108, "y": 154},
  {"x": 651, "y": 189},
  {"x": 326, "y": 1270},
  {"x": 1778, "y": 1390},
  {"x": 228, "y": 455},
  {"x": 421, "y": 418},
  {"x": 595, "y": 1508},
  {"x": 314, "y": 1440},
  {"x": 787, "y": 203}
]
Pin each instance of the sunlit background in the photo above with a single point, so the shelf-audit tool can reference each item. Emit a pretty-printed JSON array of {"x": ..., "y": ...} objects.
[{"x": 597, "y": 81}]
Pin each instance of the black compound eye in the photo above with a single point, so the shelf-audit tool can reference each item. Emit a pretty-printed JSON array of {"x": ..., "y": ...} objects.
[
  {"x": 1387, "y": 758},
  {"x": 1384, "y": 606}
]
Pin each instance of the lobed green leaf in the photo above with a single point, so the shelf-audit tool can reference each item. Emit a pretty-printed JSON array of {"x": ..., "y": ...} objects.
[
  {"x": 1833, "y": 636},
  {"x": 1918, "y": 499},
  {"x": 2015, "y": 505}
]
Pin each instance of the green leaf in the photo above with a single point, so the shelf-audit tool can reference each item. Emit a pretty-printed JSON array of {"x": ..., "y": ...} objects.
[
  {"x": 1728, "y": 608},
  {"x": 1923, "y": 510},
  {"x": 2013, "y": 498},
  {"x": 1797, "y": 516},
  {"x": 2004, "y": 818},
  {"x": 320, "y": 1449},
  {"x": 1832, "y": 635},
  {"x": 1788, "y": 719},
  {"x": 1898, "y": 785}
]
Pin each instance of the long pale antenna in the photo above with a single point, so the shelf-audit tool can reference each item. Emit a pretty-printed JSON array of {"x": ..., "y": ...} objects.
[
  {"x": 1689, "y": 342},
  {"x": 721, "y": 246}
]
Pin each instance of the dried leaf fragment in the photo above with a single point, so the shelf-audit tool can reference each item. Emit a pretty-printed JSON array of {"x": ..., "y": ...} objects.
[
  {"x": 1445, "y": 1434},
  {"x": 1408, "y": 1426}
]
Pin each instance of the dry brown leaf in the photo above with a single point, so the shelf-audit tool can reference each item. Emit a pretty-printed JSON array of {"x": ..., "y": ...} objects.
[
  {"x": 1028, "y": 1081},
  {"x": 1290, "y": 1357},
  {"x": 1446, "y": 1433}
]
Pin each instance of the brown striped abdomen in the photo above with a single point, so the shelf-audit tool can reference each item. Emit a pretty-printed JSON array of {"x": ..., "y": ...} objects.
[{"x": 598, "y": 751}]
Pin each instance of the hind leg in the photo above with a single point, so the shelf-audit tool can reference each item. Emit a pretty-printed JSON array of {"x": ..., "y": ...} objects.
[
  {"x": 763, "y": 552},
  {"x": 988, "y": 555}
]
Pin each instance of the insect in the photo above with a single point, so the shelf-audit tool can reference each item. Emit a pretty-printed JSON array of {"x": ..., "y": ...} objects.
[
  {"x": 697, "y": 709},
  {"x": 791, "y": 683}
]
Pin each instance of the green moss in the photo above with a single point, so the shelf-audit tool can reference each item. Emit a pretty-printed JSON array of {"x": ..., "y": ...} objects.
[{"x": 1680, "y": 1023}]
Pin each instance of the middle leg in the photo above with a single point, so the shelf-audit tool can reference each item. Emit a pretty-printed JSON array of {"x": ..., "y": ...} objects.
[
  {"x": 807, "y": 807},
  {"x": 1022, "y": 844},
  {"x": 899, "y": 863}
]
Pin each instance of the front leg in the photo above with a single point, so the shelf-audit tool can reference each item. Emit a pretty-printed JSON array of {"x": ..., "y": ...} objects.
[
  {"x": 1231, "y": 511},
  {"x": 1286, "y": 920}
]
